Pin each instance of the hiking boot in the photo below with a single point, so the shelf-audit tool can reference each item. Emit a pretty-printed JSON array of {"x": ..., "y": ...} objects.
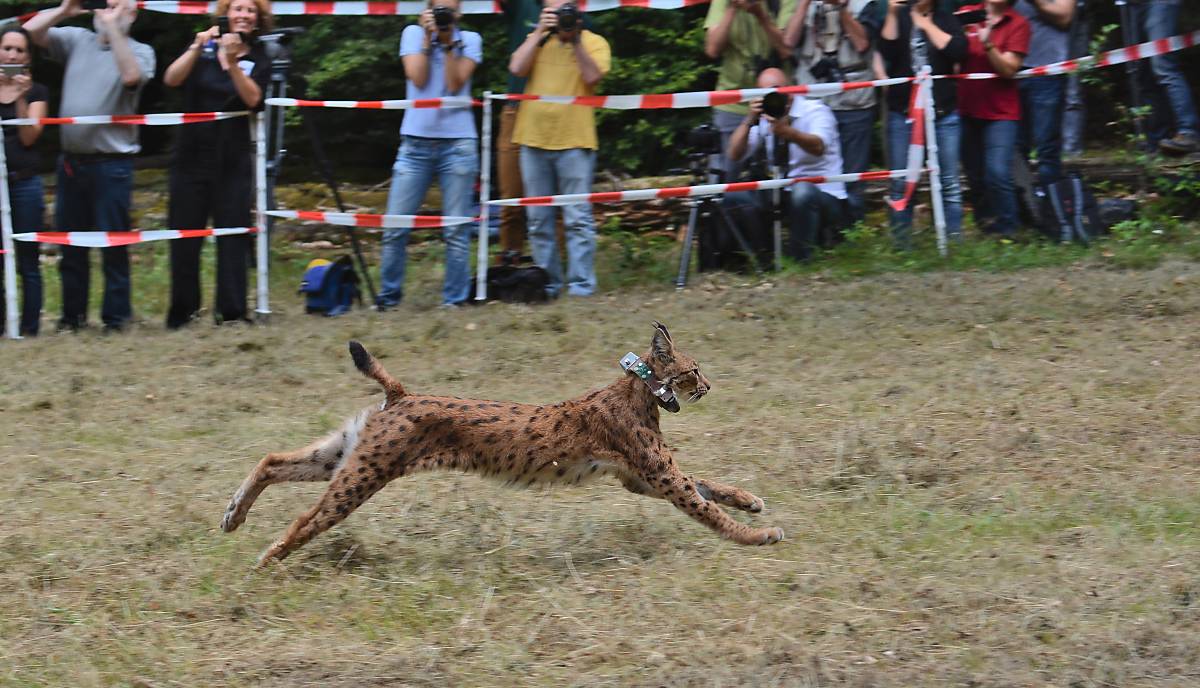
[{"x": 1181, "y": 144}]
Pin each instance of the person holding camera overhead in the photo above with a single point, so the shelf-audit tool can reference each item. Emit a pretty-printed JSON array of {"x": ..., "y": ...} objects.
[
  {"x": 817, "y": 212},
  {"x": 105, "y": 73},
  {"x": 745, "y": 36},
  {"x": 558, "y": 141},
  {"x": 833, "y": 42},
  {"x": 224, "y": 68},
  {"x": 917, "y": 34},
  {"x": 21, "y": 98},
  {"x": 439, "y": 59}
]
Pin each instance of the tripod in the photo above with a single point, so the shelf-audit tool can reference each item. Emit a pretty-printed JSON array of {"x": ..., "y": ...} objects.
[
  {"x": 278, "y": 48},
  {"x": 714, "y": 216}
]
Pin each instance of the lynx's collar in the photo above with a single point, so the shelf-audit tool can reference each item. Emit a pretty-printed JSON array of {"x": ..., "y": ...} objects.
[{"x": 632, "y": 363}]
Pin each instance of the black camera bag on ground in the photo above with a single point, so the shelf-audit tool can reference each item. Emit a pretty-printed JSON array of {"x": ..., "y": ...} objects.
[
  {"x": 1067, "y": 211},
  {"x": 719, "y": 249},
  {"x": 517, "y": 280}
]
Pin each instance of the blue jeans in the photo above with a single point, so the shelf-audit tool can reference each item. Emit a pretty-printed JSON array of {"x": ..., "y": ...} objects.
[
  {"x": 1170, "y": 97},
  {"x": 815, "y": 219},
  {"x": 550, "y": 172},
  {"x": 854, "y": 131},
  {"x": 1042, "y": 101},
  {"x": 28, "y": 208},
  {"x": 948, "y": 130},
  {"x": 455, "y": 162},
  {"x": 987, "y": 152},
  {"x": 94, "y": 195}
]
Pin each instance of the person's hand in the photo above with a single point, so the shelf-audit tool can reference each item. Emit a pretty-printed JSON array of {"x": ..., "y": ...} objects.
[
  {"x": 425, "y": 19},
  {"x": 756, "y": 107},
  {"x": 779, "y": 125},
  {"x": 202, "y": 37},
  {"x": 922, "y": 20},
  {"x": 72, "y": 8},
  {"x": 23, "y": 82},
  {"x": 231, "y": 44},
  {"x": 108, "y": 18},
  {"x": 754, "y": 7},
  {"x": 547, "y": 20}
]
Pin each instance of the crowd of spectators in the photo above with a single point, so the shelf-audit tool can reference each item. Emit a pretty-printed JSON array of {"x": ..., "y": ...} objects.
[{"x": 981, "y": 127}]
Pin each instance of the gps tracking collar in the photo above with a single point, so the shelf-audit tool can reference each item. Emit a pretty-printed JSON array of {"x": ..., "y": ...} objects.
[{"x": 632, "y": 363}]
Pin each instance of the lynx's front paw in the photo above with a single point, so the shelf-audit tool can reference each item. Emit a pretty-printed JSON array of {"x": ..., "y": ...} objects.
[{"x": 772, "y": 536}]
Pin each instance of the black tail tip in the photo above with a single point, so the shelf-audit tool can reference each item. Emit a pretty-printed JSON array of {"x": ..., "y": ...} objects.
[{"x": 362, "y": 359}]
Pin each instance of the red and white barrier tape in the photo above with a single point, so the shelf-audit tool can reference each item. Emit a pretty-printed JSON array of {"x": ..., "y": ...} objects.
[
  {"x": 691, "y": 191},
  {"x": 358, "y": 8},
  {"x": 107, "y": 239},
  {"x": 1141, "y": 51},
  {"x": 694, "y": 99},
  {"x": 369, "y": 220},
  {"x": 153, "y": 119},
  {"x": 447, "y": 102},
  {"x": 916, "y": 144}
]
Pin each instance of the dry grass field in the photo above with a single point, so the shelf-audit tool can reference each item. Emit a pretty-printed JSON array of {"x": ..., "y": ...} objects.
[{"x": 986, "y": 480}]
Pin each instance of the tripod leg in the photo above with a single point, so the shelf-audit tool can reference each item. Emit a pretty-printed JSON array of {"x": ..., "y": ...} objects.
[
  {"x": 685, "y": 258},
  {"x": 723, "y": 216},
  {"x": 326, "y": 171}
]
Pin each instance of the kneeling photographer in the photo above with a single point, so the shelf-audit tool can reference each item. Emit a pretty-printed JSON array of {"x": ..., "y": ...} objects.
[{"x": 816, "y": 213}]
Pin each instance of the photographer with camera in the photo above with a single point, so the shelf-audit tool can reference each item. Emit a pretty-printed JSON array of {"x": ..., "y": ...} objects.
[
  {"x": 745, "y": 36},
  {"x": 105, "y": 73},
  {"x": 21, "y": 98},
  {"x": 816, "y": 213},
  {"x": 558, "y": 141},
  {"x": 833, "y": 41},
  {"x": 916, "y": 34},
  {"x": 439, "y": 60},
  {"x": 225, "y": 67}
]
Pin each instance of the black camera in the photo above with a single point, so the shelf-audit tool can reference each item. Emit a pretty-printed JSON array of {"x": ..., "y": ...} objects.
[
  {"x": 94, "y": 5},
  {"x": 775, "y": 104},
  {"x": 704, "y": 140},
  {"x": 443, "y": 17},
  {"x": 568, "y": 16},
  {"x": 827, "y": 70}
]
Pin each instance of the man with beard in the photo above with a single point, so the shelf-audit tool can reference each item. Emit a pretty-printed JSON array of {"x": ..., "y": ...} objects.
[{"x": 105, "y": 72}]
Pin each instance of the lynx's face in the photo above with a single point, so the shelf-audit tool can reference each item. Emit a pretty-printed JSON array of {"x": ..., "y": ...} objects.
[{"x": 678, "y": 370}]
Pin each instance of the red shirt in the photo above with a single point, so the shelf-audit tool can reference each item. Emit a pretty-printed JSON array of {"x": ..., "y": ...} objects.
[{"x": 993, "y": 98}]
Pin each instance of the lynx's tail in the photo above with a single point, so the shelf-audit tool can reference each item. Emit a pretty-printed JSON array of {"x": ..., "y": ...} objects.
[{"x": 370, "y": 367}]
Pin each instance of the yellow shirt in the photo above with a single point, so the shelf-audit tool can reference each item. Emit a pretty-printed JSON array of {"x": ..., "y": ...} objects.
[{"x": 554, "y": 126}]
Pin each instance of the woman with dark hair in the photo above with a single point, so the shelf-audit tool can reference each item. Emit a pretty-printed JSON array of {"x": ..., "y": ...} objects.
[
  {"x": 21, "y": 98},
  {"x": 914, "y": 36},
  {"x": 991, "y": 113},
  {"x": 212, "y": 174}
]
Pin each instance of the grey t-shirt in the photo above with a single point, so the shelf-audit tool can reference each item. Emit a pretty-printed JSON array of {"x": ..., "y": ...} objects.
[
  {"x": 1047, "y": 43},
  {"x": 92, "y": 86}
]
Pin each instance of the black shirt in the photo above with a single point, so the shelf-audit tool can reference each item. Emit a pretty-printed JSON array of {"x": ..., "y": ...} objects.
[
  {"x": 897, "y": 59},
  {"x": 22, "y": 161},
  {"x": 214, "y": 145}
]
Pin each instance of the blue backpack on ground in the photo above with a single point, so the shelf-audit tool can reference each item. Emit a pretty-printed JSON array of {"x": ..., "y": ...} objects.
[{"x": 330, "y": 288}]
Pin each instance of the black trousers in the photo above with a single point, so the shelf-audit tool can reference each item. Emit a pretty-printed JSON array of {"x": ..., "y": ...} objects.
[{"x": 224, "y": 196}]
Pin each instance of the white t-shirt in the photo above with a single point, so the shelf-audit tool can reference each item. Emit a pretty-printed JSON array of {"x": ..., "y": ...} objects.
[{"x": 810, "y": 117}]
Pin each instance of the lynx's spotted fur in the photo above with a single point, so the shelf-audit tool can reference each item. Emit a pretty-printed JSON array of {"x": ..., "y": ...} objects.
[{"x": 610, "y": 431}]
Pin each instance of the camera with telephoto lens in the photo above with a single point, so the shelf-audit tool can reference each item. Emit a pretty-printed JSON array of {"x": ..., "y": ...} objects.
[
  {"x": 443, "y": 17},
  {"x": 775, "y": 105},
  {"x": 568, "y": 16},
  {"x": 827, "y": 70},
  {"x": 704, "y": 140}
]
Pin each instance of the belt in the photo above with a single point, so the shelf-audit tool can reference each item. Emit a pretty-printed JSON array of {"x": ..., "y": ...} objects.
[{"x": 98, "y": 157}]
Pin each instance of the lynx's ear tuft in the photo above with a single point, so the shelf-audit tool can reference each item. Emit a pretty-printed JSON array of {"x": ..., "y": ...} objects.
[{"x": 661, "y": 345}]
